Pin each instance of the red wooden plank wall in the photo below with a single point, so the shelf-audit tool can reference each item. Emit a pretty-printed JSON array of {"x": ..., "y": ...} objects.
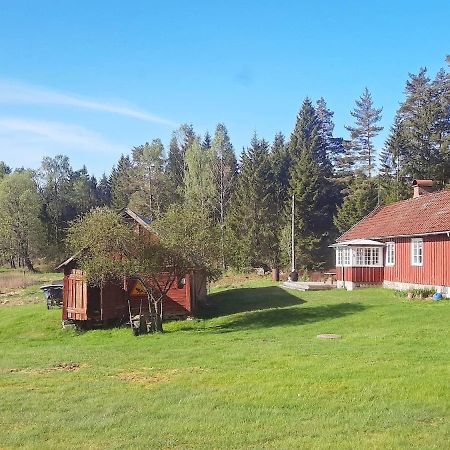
[
  {"x": 361, "y": 274},
  {"x": 435, "y": 269}
]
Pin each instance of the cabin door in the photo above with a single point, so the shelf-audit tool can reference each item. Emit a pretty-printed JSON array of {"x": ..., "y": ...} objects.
[{"x": 77, "y": 296}]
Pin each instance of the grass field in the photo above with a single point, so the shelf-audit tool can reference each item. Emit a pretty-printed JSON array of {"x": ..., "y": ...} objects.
[{"x": 251, "y": 375}]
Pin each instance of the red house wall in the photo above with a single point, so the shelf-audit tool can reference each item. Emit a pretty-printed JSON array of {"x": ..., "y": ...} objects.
[
  {"x": 435, "y": 269},
  {"x": 360, "y": 274}
]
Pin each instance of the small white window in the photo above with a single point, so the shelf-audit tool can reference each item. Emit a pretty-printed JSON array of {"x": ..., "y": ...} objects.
[
  {"x": 347, "y": 260},
  {"x": 343, "y": 256},
  {"x": 417, "y": 252},
  {"x": 339, "y": 256},
  {"x": 390, "y": 253}
]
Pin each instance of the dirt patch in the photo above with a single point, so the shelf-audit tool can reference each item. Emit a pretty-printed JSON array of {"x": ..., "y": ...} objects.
[
  {"x": 61, "y": 367},
  {"x": 144, "y": 378},
  {"x": 19, "y": 298}
]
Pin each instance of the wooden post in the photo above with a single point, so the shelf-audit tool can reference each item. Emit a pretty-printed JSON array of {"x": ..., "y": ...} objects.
[{"x": 292, "y": 234}]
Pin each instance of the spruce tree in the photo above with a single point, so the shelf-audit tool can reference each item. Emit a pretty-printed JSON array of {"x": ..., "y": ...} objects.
[
  {"x": 250, "y": 220},
  {"x": 181, "y": 140},
  {"x": 310, "y": 184},
  {"x": 224, "y": 170},
  {"x": 362, "y": 198},
  {"x": 279, "y": 160},
  {"x": 120, "y": 181},
  {"x": 363, "y": 133},
  {"x": 334, "y": 147}
]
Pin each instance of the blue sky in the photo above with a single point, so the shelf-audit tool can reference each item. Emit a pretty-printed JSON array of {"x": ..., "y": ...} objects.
[{"x": 93, "y": 79}]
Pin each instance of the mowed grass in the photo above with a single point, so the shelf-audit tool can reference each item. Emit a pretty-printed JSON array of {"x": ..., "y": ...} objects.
[{"x": 251, "y": 375}]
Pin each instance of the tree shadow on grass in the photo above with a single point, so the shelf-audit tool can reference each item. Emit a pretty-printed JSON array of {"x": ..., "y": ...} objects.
[
  {"x": 270, "y": 307},
  {"x": 289, "y": 316},
  {"x": 250, "y": 299}
]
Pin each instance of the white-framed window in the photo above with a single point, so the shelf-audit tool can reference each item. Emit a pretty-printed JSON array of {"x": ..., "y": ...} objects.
[
  {"x": 390, "y": 253},
  {"x": 367, "y": 256},
  {"x": 343, "y": 256},
  {"x": 417, "y": 252},
  {"x": 339, "y": 259}
]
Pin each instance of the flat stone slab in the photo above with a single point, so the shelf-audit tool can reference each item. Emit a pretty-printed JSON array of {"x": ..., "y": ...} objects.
[
  {"x": 306, "y": 286},
  {"x": 328, "y": 336}
]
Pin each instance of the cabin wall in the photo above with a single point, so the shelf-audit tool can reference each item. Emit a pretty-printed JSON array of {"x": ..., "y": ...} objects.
[
  {"x": 82, "y": 302},
  {"x": 435, "y": 270}
]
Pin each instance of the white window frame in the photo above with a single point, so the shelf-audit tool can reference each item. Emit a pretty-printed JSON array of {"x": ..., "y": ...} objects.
[
  {"x": 367, "y": 257},
  {"x": 390, "y": 253},
  {"x": 343, "y": 256},
  {"x": 359, "y": 256},
  {"x": 417, "y": 252}
]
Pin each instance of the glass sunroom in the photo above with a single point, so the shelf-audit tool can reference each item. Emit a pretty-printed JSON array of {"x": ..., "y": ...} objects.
[{"x": 359, "y": 262}]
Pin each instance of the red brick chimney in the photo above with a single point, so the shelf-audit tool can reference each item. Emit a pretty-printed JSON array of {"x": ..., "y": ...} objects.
[{"x": 422, "y": 187}]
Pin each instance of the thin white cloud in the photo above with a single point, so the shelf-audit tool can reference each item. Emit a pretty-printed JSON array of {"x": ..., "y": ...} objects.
[
  {"x": 12, "y": 92},
  {"x": 18, "y": 133}
]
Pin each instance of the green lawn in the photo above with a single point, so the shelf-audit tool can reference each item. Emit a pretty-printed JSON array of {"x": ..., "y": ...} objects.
[{"x": 251, "y": 375}]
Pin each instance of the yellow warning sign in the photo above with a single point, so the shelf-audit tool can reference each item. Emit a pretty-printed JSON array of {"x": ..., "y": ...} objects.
[{"x": 137, "y": 290}]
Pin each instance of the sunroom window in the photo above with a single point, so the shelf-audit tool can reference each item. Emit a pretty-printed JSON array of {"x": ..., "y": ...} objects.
[{"x": 358, "y": 256}]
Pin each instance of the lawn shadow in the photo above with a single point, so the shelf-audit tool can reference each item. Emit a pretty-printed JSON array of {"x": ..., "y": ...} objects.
[
  {"x": 269, "y": 307},
  {"x": 289, "y": 316},
  {"x": 248, "y": 299}
]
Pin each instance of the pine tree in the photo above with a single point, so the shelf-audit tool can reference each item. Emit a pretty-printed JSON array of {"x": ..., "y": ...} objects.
[{"x": 363, "y": 133}]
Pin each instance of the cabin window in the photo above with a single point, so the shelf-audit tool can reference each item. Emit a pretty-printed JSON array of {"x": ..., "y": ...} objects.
[
  {"x": 417, "y": 252},
  {"x": 390, "y": 253}
]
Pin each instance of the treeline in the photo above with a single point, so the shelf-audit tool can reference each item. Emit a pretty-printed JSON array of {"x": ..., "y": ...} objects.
[{"x": 242, "y": 209}]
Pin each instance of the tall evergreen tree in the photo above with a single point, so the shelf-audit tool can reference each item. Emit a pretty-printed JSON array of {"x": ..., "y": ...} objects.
[
  {"x": 149, "y": 180},
  {"x": 279, "y": 162},
  {"x": 104, "y": 191},
  {"x": 362, "y": 198},
  {"x": 181, "y": 140},
  {"x": 55, "y": 180},
  {"x": 120, "y": 181},
  {"x": 250, "y": 230},
  {"x": 363, "y": 133},
  {"x": 309, "y": 182},
  {"x": 334, "y": 147},
  {"x": 224, "y": 172}
]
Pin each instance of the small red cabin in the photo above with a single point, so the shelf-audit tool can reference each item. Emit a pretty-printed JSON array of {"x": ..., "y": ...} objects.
[
  {"x": 404, "y": 245},
  {"x": 110, "y": 302}
]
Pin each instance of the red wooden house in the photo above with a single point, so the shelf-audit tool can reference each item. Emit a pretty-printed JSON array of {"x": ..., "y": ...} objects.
[
  {"x": 85, "y": 304},
  {"x": 404, "y": 245}
]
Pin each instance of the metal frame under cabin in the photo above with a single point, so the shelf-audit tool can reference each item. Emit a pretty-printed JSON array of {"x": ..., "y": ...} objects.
[{"x": 108, "y": 304}]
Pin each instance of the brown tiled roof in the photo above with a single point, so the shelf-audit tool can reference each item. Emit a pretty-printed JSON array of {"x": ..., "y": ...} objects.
[{"x": 429, "y": 213}]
